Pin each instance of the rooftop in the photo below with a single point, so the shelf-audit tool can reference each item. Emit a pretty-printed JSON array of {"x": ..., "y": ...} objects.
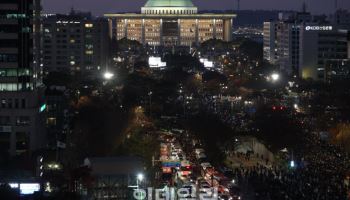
[
  {"x": 183, "y": 16},
  {"x": 169, "y": 3}
]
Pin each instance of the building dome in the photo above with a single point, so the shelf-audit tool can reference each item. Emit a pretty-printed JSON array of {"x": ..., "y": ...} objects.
[
  {"x": 169, "y": 3},
  {"x": 172, "y": 7}
]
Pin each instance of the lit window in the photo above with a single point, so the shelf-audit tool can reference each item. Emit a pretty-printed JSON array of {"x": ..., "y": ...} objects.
[
  {"x": 89, "y": 25},
  {"x": 51, "y": 121},
  {"x": 8, "y": 87},
  {"x": 26, "y": 30},
  {"x": 15, "y": 16}
]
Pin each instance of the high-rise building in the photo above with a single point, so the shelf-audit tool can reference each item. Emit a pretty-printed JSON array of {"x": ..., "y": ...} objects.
[
  {"x": 171, "y": 23},
  {"x": 281, "y": 40},
  {"x": 22, "y": 103},
  {"x": 288, "y": 47},
  {"x": 270, "y": 47},
  {"x": 321, "y": 47},
  {"x": 75, "y": 42},
  {"x": 303, "y": 44}
]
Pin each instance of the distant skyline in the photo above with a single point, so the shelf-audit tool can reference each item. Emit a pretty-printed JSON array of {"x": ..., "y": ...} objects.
[{"x": 99, "y": 7}]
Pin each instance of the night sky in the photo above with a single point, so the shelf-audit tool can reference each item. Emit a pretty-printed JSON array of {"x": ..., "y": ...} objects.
[{"x": 98, "y": 7}]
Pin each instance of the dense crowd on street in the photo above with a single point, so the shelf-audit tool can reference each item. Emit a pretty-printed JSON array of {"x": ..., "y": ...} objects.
[
  {"x": 319, "y": 175},
  {"x": 224, "y": 110},
  {"x": 295, "y": 184}
]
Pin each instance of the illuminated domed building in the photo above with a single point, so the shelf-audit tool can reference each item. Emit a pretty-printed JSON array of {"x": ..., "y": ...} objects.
[{"x": 171, "y": 22}]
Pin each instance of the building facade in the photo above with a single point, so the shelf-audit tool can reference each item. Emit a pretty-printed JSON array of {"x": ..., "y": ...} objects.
[
  {"x": 288, "y": 35},
  {"x": 301, "y": 45},
  {"x": 322, "y": 47},
  {"x": 75, "y": 42},
  {"x": 281, "y": 46},
  {"x": 270, "y": 47},
  {"x": 57, "y": 115},
  {"x": 114, "y": 177},
  {"x": 171, "y": 23},
  {"x": 22, "y": 103}
]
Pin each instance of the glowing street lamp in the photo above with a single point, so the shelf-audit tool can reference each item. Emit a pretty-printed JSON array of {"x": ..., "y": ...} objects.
[
  {"x": 275, "y": 77},
  {"x": 108, "y": 75},
  {"x": 140, "y": 177},
  {"x": 292, "y": 164}
]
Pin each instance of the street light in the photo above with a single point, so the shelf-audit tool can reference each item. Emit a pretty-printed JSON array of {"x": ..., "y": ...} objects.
[
  {"x": 275, "y": 77},
  {"x": 292, "y": 164},
  {"x": 140, "y": 177},
  {"x": 108, "y": 75}
]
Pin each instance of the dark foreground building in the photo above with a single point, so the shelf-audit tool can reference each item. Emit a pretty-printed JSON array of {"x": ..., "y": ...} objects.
[
  {"x": 22, "y": 120},
  {"x": 114, "y": 177}
]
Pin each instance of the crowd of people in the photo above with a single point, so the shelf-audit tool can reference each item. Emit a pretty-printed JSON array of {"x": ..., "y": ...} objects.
[
  {"x": 224, "y": 110},
  {"x": 320, "y": 173},
  {"x": 321, "y": 170},
  {"x": 294, "y": 184}
]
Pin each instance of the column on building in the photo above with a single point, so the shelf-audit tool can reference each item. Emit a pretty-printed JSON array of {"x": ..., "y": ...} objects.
[
  {"x": 227, "y": 29},
  {"x": 161, "y": 32},
  {"x": 214, "y": 28},
  {"x": 179, "y": 32},
  {"x": 143, "y": 32},
  {"x": 196, "y": 32},
  {"x": 126, "y": 28}
]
